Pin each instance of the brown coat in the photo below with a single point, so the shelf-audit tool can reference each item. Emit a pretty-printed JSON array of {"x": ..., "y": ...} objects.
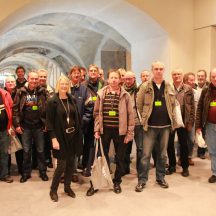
[
  {"x": 126, "y": 117},
  {"x": 185, "y": 98}
]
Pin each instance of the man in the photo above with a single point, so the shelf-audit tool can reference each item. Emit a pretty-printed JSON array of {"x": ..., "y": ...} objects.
[
  {"x": 122, "y": 72},
  {"x": 155, "y": 103},
  {"x": 206, "y": 120},
  {"x": 28, "y": 120},
  {"x": 189, "y": 79},
  {"x": 185, "y": 97},
  {"x": 94, "y": 83},
  {"x": 201, "y": 83},
  {"x": 83, "y": 74},
  {"x": 20, "y": 81},
  {"x": 42, "y": 78},
  {"x": 81, "y": 94},
  {"x": 6, "y": 104},
  {"x": 130, "y": 86},
  {"x": 145, "y": 76}
]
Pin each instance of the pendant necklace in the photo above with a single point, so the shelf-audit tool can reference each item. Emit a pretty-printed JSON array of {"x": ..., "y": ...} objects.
[{"x": 67, "y": 111}]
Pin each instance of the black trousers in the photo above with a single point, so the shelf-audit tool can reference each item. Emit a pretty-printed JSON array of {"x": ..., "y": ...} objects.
[
  {"x": 19, "y": 161},
  {"x": 66, "y": 167},
  {"x": 47, "y": 148},
  {"x": 120, "y": 150},
  {"x": 182, "y": 134},
  {"x": 88, "y": 147}
]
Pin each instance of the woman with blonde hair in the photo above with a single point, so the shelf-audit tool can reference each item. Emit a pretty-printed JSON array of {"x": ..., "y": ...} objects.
[{"x": 63, "y": 125}]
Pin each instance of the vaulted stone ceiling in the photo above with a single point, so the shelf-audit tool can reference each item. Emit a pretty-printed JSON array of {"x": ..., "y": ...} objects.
[{"x": 56, "y": 41}]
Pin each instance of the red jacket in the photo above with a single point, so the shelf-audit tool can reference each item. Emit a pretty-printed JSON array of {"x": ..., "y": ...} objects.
[{"x": 8, "y": 103}]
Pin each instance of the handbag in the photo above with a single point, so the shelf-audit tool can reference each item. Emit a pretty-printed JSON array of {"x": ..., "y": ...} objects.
[
  {"x": 15, "y": 144},
  {"x": 100, "y": 174},
  {"x": 199, "y": 140},
  {"x": 178, "y": 115}
]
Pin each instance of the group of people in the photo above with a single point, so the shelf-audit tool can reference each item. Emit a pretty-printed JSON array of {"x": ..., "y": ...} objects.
[{"x": 66, "y": 121}]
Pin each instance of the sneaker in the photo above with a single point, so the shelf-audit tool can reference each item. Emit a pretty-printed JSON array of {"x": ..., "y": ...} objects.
[
  {"x": 7, "y": 179},
  {"x": 140, "y": 187},
  {"x": 212, "y": 179}
]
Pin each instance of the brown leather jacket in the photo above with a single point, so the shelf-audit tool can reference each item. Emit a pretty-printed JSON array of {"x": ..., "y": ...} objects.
[
  {"x": 203, "y": 107},
  {"x": 185, "y": 97}
]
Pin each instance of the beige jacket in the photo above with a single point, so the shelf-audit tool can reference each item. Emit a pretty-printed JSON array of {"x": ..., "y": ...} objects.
[
  {"x": 145, "y": 99},
  {"x": 126, "y": 117}
]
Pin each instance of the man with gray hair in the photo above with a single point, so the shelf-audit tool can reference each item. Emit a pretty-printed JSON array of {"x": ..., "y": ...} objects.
[
  {"x": 185, "y": 97},
  {"x": 155, "y": 103},
  {"x": 131, "y": 87}
]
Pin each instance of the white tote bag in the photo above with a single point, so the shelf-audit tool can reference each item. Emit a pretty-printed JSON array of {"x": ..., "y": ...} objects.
[
  {"x": 200, "y": 141},
  {"x": 100, "y": 174},
  {"x": 178, "y": 115}
]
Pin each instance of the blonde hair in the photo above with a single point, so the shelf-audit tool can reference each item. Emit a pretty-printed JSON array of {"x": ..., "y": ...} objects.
[{"x": 62, "y": 77}]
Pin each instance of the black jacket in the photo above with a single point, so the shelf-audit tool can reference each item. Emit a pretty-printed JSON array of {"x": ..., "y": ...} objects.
[{"x": 70, "y": 144}]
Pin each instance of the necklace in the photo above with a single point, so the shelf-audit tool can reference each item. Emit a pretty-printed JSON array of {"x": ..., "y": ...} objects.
[{"x": 67, "y": 111}]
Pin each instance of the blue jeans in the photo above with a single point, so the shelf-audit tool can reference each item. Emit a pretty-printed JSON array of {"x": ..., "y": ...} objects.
[
  {"x": 210, "y": 137},
  {"x": 138, "y": 137},
  {"x": 154, "y": 137},
  {"x": 28, "y": 137},
  {"x": 4, "y": 144}
]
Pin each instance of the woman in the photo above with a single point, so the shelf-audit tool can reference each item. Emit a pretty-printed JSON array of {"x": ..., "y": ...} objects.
[
  {"x": 114, "y": 120},
  {"x": 10, "y": 86},
  {"x": 63, "y": 125}
]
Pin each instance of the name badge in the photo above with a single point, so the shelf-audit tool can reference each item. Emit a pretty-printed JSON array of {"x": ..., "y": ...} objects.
[
  {"x": 158, "y": 103},
  {"x": 93, "y": 98},
  {"x": 112, "y": 113},
  {"x": 34, "y": 107},
  {"x": 213, "y": 104}
]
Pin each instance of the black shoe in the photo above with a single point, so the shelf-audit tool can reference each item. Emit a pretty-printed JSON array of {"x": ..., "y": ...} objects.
[
  {"x": 91, "y": 191},
  {"x": 202, "y": 156},
  {"x": 117, "y": 188},
  {"x": 24, "y": 178},
  {"x": 170, "y": 170},
  {"x": 140, "y": 187},
  {"x": 54, "y": 196},
  {"x": 86, "y": 173},
  {"x": 185, "y": 172},
  {"x": 162, "y": 183},
  {"x": 212, "y": 179},
  {"x": 7, "y": 179},
  {"x": 70, "y": 192},
  {"x": 74, "y": 178},
  {"x": 50, "y": 165},
  {"x": 44, "y": 177}
]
